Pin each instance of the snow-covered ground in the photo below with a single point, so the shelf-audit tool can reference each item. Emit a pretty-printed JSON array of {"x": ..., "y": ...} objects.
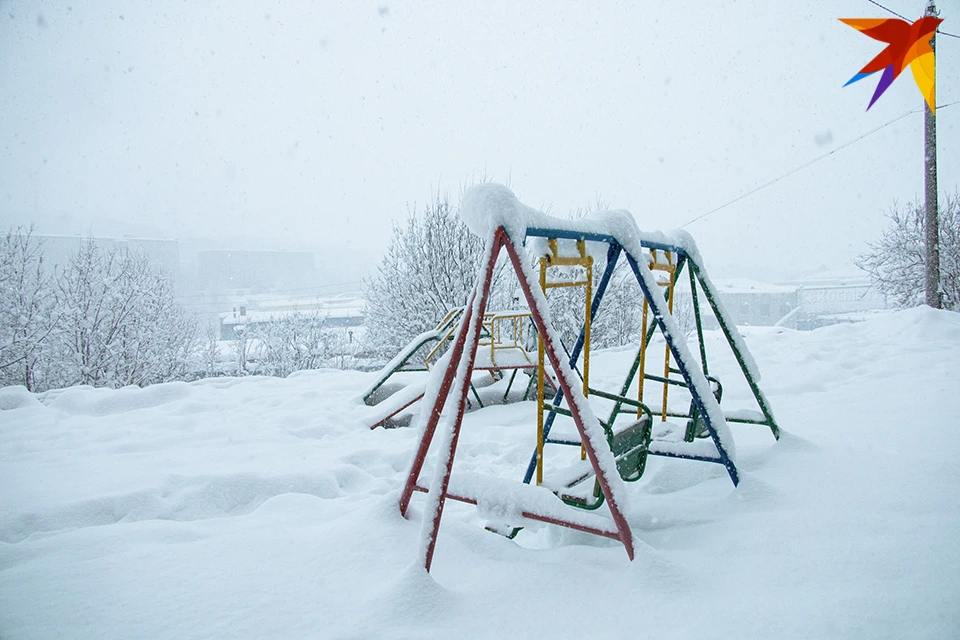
[{"x": 262, "y": 508}]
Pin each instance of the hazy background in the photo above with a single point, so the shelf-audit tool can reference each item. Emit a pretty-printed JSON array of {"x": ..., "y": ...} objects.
[{"x": 314, "y": 125}]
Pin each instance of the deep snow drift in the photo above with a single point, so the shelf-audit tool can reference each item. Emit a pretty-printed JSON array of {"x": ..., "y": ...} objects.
[{"x": 263, "y": 508}]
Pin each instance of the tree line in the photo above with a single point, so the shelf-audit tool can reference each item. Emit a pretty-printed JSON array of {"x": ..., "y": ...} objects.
[
  {"x": 106, "y": 318},
  {"x": 110, "y": 318}
]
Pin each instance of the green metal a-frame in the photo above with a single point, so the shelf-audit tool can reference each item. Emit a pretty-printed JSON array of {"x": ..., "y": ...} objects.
[{"x": 632, "y": 445}]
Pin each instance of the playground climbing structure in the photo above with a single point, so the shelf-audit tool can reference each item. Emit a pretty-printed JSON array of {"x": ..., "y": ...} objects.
[{"x": 501, "y": 353}]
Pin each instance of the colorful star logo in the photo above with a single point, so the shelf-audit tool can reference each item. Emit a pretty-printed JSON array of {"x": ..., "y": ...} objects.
[{"x": 907, "y": 44}]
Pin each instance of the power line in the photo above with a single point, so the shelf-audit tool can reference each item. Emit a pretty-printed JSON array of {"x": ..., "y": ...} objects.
[
  {"x": 890, "y": 11},
  {"x": 832, "y": 151},
  {"x": 943, "y": 33},
  {"x": 805, "y": 165}
]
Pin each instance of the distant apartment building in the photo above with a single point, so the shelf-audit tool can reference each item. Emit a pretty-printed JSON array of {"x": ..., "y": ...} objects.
[
  {"x": 163, "y": 254},
  {"x": 757, "y": 303},
  {"x": 343, "y": 313},
  {"x": 253, "y": 271},
  {"x": 804, "y": 304}
]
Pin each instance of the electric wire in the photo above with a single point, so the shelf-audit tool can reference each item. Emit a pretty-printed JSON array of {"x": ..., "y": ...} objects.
[
  {"x": 943, "y": 33},
  {"x": 806, "y": 164},
  {"x": 890, "y": 11}
]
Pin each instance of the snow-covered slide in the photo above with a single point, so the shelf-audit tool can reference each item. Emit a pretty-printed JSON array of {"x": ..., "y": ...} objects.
[
  {"x": 394, "y": 405},
  {"x": 503, "y": 351},
  {"x": 400, "y": 362},
  {"x": 387, "y": 401}
]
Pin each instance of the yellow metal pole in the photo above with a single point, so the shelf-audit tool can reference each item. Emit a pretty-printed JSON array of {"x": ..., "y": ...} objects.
[
  {"x": 666, "y": 348},
  {"x": 581, "y": 245},
  {"x": 494, "y": 338},
  {"x": 643, "y": 357}
]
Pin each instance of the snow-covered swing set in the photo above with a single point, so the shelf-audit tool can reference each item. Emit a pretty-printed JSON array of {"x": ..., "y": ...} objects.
[{"x": 611, "y": 453}]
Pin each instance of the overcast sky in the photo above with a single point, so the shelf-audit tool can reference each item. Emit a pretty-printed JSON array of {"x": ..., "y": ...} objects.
[{"x": 316, "y": 124}]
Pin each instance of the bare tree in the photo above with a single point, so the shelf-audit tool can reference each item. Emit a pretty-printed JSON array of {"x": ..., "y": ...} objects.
[
  {"x": 430, "y": 267},
  {"x": 341, "y": 350},
  {"x": 896, "y": 262},
  {"x": 618, "y": 322},
  {"x": 242, "y": 346},
  {"x": 28, "y": 309},
  {"x": 210, "y": 352},
  {"x": 294, "y": 341},
  {"x": 120, "y": 323}
]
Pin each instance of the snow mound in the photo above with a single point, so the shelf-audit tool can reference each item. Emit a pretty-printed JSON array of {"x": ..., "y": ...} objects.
[
  {"x": 178, "y": 499},
  {"x": 101, "y": 402},
  {"x": 17, "y": 398}
]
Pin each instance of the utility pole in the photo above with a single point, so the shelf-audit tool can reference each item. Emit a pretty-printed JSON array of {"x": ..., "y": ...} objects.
[{"x": 931, "y": 222}]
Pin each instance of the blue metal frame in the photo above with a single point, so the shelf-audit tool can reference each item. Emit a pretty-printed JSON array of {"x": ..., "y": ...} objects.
[
  {"x": 541, "y": 232},
  {"x": 683, "y": 366},
  {"x": 613, "y": 254}
]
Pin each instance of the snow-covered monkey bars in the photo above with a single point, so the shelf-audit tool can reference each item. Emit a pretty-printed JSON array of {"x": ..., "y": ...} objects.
[{"x": 493, "y": 211}]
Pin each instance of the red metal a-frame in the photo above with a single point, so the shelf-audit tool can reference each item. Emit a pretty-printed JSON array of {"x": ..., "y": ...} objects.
[{"x": 456, "y": 372}]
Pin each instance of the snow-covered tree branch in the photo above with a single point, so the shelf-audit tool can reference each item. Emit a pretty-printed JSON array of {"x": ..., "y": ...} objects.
[
  {"x": 896, "y": 262},
  {"x": 120, "y": 323},
  {"x": 107, "y": 319},
  {"x": 28, "y": 308},
  {"x": 429, "y": 268},
  {"x": 292, "y": 342}
]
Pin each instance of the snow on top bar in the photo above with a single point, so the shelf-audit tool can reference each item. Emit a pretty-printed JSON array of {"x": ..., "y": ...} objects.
[
  {"x": 489, "y": 205},
  {"x": 486, "y": 206}
]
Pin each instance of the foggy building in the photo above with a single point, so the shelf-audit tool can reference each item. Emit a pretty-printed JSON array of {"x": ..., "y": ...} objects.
[
  {"x": 803, "y": 304},
  {"x": 164, "y": 255},
  {"x": 344, "y": 313},
  {"x": 757, "y": 303},
  {"x": 253, "y": 271}
]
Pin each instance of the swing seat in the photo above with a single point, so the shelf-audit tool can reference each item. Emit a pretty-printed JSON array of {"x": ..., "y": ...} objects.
[
  {"x": 696, "y": 426},
  {"x": 630, "y": 448}
]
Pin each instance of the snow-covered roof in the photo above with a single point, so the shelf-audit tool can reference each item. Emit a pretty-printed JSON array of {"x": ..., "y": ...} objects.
[
  {"x": 745, "y": 285},
  {"x": 332, "y": 308}
]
